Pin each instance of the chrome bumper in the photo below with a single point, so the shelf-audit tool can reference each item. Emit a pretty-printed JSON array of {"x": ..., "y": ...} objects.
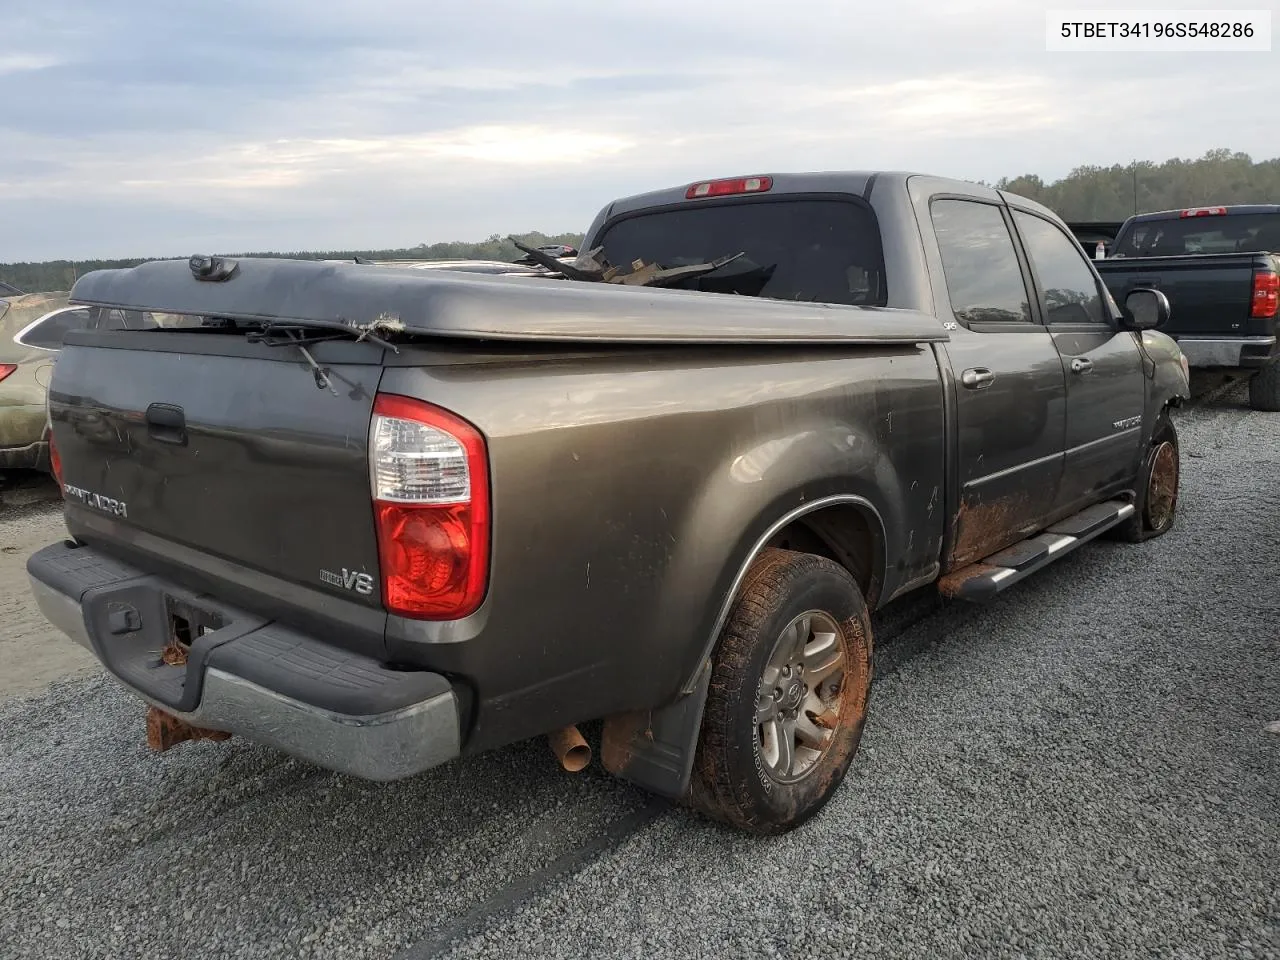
[
  {"x": 381, "y": 746},
  {"x": 1223, "y": 352}
]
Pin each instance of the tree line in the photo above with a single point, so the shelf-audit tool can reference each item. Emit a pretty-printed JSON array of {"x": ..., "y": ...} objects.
[
  {"x": 1118, "y": 191},
  {"x": 61, "y": 274},
  {"x": 1086, "y": 193}
]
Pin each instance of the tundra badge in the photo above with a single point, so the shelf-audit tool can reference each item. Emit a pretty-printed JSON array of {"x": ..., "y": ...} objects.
[
  {"x": 361, "y": 583},
  {"x": 117, "y": 508}
]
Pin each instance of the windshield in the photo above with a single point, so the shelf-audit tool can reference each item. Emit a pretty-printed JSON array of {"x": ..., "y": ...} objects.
[
  {"x": 1232, "y": 233},
  {"x": 824, "y": 250}
]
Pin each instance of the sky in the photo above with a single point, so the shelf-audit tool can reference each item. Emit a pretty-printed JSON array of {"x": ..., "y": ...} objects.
[{"x": 157, "y": 128}]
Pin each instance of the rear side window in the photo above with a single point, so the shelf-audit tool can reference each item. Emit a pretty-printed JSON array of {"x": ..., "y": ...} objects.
[
  {"x": 1069, "y": 289},
  {"x": 984, "y": 278},
  {"x": 48, "y": 332},
  {"x": 823, "y": 250}
]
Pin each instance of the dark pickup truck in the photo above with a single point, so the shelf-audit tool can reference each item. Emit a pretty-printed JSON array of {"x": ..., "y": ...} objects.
[
  {"x": 380, "y": 517},
  {"x": 1217, "y": 267}
]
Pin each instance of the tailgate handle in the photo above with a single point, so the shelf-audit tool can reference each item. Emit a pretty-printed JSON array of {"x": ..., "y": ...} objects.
[{"x": 167, "y": 423}]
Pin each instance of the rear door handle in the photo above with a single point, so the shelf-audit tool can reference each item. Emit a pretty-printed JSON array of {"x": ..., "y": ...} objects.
[
  {"x": 977, "y": 378},
  {"x": 1081, "y": 364}
]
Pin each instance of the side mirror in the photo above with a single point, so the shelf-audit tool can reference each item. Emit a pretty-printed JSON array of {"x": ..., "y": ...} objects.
[{"x": 1146, "y": 309}]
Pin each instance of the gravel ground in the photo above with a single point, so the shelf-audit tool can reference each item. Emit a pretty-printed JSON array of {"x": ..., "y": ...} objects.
[
  {"x": 31, "y": 654},
  {"x": 1078, "y": 770}
]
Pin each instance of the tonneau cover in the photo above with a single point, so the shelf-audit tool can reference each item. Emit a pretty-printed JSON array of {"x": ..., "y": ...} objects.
[{"x": 446, "y": 303}]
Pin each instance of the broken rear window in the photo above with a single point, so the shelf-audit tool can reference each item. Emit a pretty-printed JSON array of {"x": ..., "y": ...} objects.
[{"x": 823, "y": 250}]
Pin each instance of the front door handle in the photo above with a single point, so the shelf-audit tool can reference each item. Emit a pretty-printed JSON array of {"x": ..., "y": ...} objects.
[
  {"x": 1081, "y": 364},
  {"x": 977, "y": 378}
]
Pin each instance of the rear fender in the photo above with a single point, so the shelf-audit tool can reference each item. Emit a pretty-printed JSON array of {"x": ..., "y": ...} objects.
[{"x": 746, "y": 504}]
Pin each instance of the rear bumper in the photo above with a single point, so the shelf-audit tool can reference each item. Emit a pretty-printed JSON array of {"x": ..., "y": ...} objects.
[
  {"x": 261, "y": 680},
  {"x": 31, "y": 456},
  {"x": 1228, "y": 352},
  {"x": 24, "y": 445}
]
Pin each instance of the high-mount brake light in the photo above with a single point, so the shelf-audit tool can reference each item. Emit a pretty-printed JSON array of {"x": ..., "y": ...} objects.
[
  {"x": 1204, "y": 212},
  {"x": 728, "y": 188},
  {"x": 1266, "y": 294},
  {"x": 429, "y": 472}
]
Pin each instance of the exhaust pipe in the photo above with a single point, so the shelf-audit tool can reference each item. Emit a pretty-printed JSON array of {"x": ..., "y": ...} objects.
[{"x": 573, "y": 752}]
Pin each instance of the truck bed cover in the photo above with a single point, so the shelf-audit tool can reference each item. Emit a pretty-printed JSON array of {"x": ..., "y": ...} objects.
[{"x": 444, "y": 303}]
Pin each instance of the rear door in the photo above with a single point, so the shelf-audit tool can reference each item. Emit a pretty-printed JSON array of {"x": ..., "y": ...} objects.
[
  {"x": 1009, "y": 391},
  {"x": 1102, "y": 365}
]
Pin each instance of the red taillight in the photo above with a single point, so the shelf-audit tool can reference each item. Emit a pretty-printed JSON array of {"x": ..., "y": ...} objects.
[
  {"x": 1204, "y": 212},
  {"x": 726, "y": 188},
  {"x": 6, "y": 369},
  {"x": 55, "y": 461},
  {"x": 1266, "y": 294},
  {"x": 430, "y": 478}
]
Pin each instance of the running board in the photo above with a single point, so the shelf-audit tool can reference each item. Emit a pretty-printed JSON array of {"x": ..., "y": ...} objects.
[{"x": 983, "y": 580}]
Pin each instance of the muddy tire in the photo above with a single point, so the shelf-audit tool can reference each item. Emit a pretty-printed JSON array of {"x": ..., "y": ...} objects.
[
  {"x": 1264, "y": 388},
  {"x": 1157, "y": 486},
  {"x": 790, "y": 679}
]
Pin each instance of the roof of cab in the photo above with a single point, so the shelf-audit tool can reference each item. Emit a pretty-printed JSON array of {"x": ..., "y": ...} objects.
[
  {"x": 858, "y": 182},
  {"x": 1228, "y": 209}
]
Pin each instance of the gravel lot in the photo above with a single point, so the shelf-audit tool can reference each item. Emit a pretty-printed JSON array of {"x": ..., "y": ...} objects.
[
  {"x": 30, "y": 653},
  {"x": 1078, "y": 770}
]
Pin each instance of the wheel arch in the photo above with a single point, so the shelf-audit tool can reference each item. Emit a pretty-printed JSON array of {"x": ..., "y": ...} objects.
[
  {"x": 655, "y": 748},
  {"x": 849, "y": 529}
]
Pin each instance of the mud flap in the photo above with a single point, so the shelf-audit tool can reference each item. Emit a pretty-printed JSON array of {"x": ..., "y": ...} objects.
[{"x": 654, "y": 749}]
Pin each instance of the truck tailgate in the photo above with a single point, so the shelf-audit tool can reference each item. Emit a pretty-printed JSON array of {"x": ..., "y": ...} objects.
[
  {"x": 1207, "y": 293},
  {"x": 224, "y": 459}
]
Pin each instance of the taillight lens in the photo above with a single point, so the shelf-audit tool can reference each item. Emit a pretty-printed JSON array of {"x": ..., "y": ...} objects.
[
  {"x": 431, "y": 503},
  {"x": 1266, "y": 294},
  {"x": 6, "y": 369},
  {"x": 55, "y": 461}
]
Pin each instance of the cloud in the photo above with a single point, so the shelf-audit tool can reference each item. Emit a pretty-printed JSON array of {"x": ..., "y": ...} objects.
[
  {"x": 280, "y": 124},
  {"x": 26, "y": 62}
]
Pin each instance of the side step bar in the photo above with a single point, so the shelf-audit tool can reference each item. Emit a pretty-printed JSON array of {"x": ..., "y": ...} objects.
[{"x": 983, "y": 580}]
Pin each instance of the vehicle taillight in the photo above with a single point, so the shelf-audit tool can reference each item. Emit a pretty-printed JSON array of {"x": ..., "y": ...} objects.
[
  {"x": 55, "y": 461},
  {"x": 1204, "y": 212},
  {"x": 6, "y": 369},
  {"x": 725, "y": 188},
  {"x": 430, "y": 478},
  {"x": 1266, "y": 294}
]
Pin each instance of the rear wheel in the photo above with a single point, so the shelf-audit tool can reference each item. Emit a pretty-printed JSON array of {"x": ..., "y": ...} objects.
[
  {"x": 1157, "y": 501},
  {"x": 1264, "y": 387},
  {"x": 788, "y": 697}
]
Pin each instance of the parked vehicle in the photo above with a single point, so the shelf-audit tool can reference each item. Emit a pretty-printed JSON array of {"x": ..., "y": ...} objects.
[
  {"x": 380, "y": 518},
  {"x": 31, "y": 331},
  {"x": 1217, "y": 266}
]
